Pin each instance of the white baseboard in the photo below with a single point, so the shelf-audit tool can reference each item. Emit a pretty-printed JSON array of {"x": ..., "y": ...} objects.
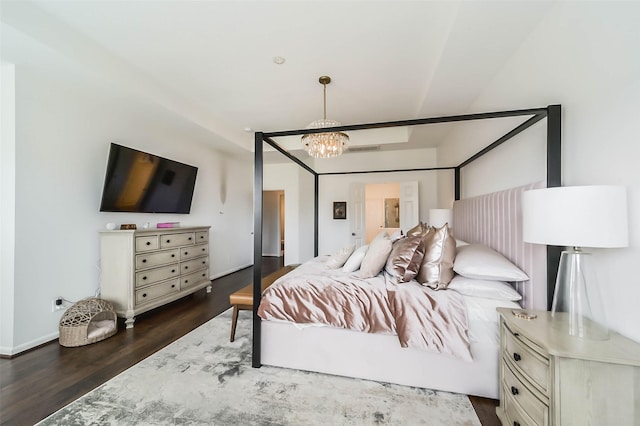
[
  {"x": 230, "y": 271},
  {"x": 6, "y": 351}
]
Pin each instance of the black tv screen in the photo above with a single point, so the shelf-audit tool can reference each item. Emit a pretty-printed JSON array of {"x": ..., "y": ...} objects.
[{"x": 139, "y": 182}]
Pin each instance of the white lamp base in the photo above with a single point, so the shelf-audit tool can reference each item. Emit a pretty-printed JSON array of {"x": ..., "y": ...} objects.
[{"x": 577, "y": 306}]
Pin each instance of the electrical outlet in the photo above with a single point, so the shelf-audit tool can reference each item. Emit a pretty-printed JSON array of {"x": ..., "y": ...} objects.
[{"x": 55, "y": 306}]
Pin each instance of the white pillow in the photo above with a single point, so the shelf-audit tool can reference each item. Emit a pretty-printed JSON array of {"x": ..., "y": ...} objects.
[
  {"x": 481, "y": 309},
  {"x": 337, "y": 260},
  {"x": 381, "y": 235},
  {"x": 460, "y": 243},
  {"x": 376, "y": 257},
  {"x": 488, "y": 289},
  {"x": 484, "y": 263},
  {"x": 353, "y": 263}
]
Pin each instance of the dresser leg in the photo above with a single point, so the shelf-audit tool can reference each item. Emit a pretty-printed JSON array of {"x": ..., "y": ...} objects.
[
  {"x": 129, "y": 321},
  {"x": 209, "y": 289}
]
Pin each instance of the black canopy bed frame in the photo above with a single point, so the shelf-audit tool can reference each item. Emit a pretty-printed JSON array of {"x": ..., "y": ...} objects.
[{"x": 553, "y": 179}]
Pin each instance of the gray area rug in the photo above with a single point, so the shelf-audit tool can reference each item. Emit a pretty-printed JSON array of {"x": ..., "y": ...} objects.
[{"x": 203, "y": 379}]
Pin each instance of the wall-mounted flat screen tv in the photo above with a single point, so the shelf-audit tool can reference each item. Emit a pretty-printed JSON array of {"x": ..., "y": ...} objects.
[{"x": 139, "y": 182}]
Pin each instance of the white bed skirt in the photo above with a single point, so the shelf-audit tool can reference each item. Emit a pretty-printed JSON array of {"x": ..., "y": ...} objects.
[{"x": 379, "y": 357}]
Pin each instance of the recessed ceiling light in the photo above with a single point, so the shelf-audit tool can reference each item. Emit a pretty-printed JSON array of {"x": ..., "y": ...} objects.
[{"x": 278, "y": 60}]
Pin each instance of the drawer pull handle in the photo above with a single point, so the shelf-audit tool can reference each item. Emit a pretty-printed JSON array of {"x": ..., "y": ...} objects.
[
  {"x": 173, "y": 255},
  {"x": 144, "y": 294},
  {"x": 144, "y": 260},
  {"x": 203, "y": 262},
  {"x": 186, "y": 281},
  {"x": 516, "y": 334},
  {"x": 517, "y": 356},
  {"x": 144, "y": 278},
  {"x": 203, "y": 275},
  {"x": 186, "y": 253},
  {"x": 514, "y": 390},
  {"x": 516, "y": 423},
  {"x": 203, "y": 249},
  {"x": 173, "y": 271},
  {"x": 148, "y": 243},
  {"x": 168, "y": 241},
  {"x": 174, "y": 286},
  {"x": 201, "y": 236},
  {"x": 190, "y": 238},
  {"x": 186, "y": 267}
]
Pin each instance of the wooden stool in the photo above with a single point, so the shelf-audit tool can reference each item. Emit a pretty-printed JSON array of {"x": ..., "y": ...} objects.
[{"x": 242, "y": 300}]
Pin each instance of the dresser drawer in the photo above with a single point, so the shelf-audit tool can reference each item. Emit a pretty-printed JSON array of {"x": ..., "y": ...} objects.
[
  {"x": 194, "y": 265},
  {"x": 194, "y": 251},
  {"x": 147, "y": 294},
  {"x": 520, "y": 393},
  {"x": 202, "y": 236},
  {"x": 149, "y": 260},
  {"x": 176, "y": 240},
  {"x": 194, "y": 278},
  {"x": 151, "y": 276},
  {"x": 147, "y": 243},
  {"x": 527, "y": 362}
]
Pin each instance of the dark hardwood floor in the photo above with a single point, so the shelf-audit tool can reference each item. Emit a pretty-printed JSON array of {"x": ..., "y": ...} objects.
[{"x": 39, "y": 382}]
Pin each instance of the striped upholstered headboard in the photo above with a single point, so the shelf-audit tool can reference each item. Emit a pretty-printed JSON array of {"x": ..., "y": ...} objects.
[{"x": 495, "y": 220}]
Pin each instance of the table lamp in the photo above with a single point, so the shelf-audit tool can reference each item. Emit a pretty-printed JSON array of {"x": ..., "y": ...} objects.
[
  {"x": 577, "y": 216},
  {"x": 438, "y": 217}
]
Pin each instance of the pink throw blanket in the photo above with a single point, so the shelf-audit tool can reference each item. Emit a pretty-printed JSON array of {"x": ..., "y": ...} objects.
[{"x": 421, "y": 317}]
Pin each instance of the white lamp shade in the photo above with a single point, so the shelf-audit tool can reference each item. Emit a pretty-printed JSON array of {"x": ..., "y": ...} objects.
[
  {"x": 438, "y": 217},
  {"x": 578, "y": 216}
]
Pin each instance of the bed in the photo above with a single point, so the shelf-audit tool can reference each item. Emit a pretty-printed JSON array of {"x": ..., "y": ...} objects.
[{"x": 492, "y": 221}]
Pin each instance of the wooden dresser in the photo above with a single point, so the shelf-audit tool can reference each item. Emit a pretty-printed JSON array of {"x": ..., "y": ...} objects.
[
  {"x": 550, "y": 378},
  {"x": 143, "y": 269}
]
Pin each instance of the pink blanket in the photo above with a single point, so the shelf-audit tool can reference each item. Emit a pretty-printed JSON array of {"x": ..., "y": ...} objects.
[{"x": 421, "y": 317}]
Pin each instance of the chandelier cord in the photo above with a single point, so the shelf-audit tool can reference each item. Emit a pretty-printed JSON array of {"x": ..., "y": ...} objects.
[{"x": 324, "y": 86}]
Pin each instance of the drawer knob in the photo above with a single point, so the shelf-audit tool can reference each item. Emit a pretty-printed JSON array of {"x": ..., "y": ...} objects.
[
  {"x": 168, "y": 241},
  {"x": 173, "y": 255},
  {"x": 190, "y": 238},
  {"x": 186, "y": 281},
  {"x": 514, "y": 390},
  {"x": 186, "y": 253},
  {"x": 203, "y": 262},
  {"x": 174, "y": 286},
  {"x": 186, "y": 267},
  {"x": 203, "y": 249},
  {"x": 203, "y": 275},
  {"x": 517, "y": 356},
  {"x": 144, "y": 260},
  {"x": 516, "y": 423},
  {"x": 173, "y": 271},
  {"x": 201, "y": 236},
  {"x": 144, "y": 294},
  {"x": 144, "y": 278},
  {"x": 148, "y": 243}
]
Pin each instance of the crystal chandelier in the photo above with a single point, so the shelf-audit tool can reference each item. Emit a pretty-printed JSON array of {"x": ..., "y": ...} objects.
[{"x": 325, "y": 145}]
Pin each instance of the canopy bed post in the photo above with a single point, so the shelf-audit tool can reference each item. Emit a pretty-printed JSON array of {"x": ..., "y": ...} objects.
[
  {"x": 257, "y": 247},
  {"x": 554, "y": 179},
  {"x": 316, "y": 184}
]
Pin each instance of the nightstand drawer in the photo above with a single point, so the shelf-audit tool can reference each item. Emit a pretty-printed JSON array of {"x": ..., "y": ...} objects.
[
  {"x": 519, "y": 393},
  {"x": 514, "y": 414},
  {"x": 525, "y": 361}
]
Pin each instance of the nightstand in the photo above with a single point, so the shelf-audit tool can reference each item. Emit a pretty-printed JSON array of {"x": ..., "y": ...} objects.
[{"x": 550, "y": 378}]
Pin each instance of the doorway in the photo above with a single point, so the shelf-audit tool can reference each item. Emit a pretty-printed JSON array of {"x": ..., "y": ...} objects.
[{"x": 273, "y": 223}]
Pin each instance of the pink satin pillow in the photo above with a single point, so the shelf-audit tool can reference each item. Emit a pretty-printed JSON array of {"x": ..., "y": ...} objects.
[
  {"x": 405, "y": 258},
  {"x": 436, "y": 269}
]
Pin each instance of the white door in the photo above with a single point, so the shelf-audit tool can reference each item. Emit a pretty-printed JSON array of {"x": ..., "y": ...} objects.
[
  {"x": 409, "y": 205},
  {"x": 356, "y": 213}
]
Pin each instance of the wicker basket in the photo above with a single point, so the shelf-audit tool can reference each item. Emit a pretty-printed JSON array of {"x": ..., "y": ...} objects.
[{"x": 88, "y": 321}]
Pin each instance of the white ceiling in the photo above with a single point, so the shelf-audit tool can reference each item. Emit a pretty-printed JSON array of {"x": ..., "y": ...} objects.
[{"x": 211, "y": 62}]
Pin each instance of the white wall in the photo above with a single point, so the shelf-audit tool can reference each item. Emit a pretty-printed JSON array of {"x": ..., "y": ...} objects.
[
  {"x": 335, "y": 234},
  {"x": 297, "y": 185},
  {"x": 63, "y": 131},
  {"x": 8, "y": 200},
  {"x": 584, "y": 55}
]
